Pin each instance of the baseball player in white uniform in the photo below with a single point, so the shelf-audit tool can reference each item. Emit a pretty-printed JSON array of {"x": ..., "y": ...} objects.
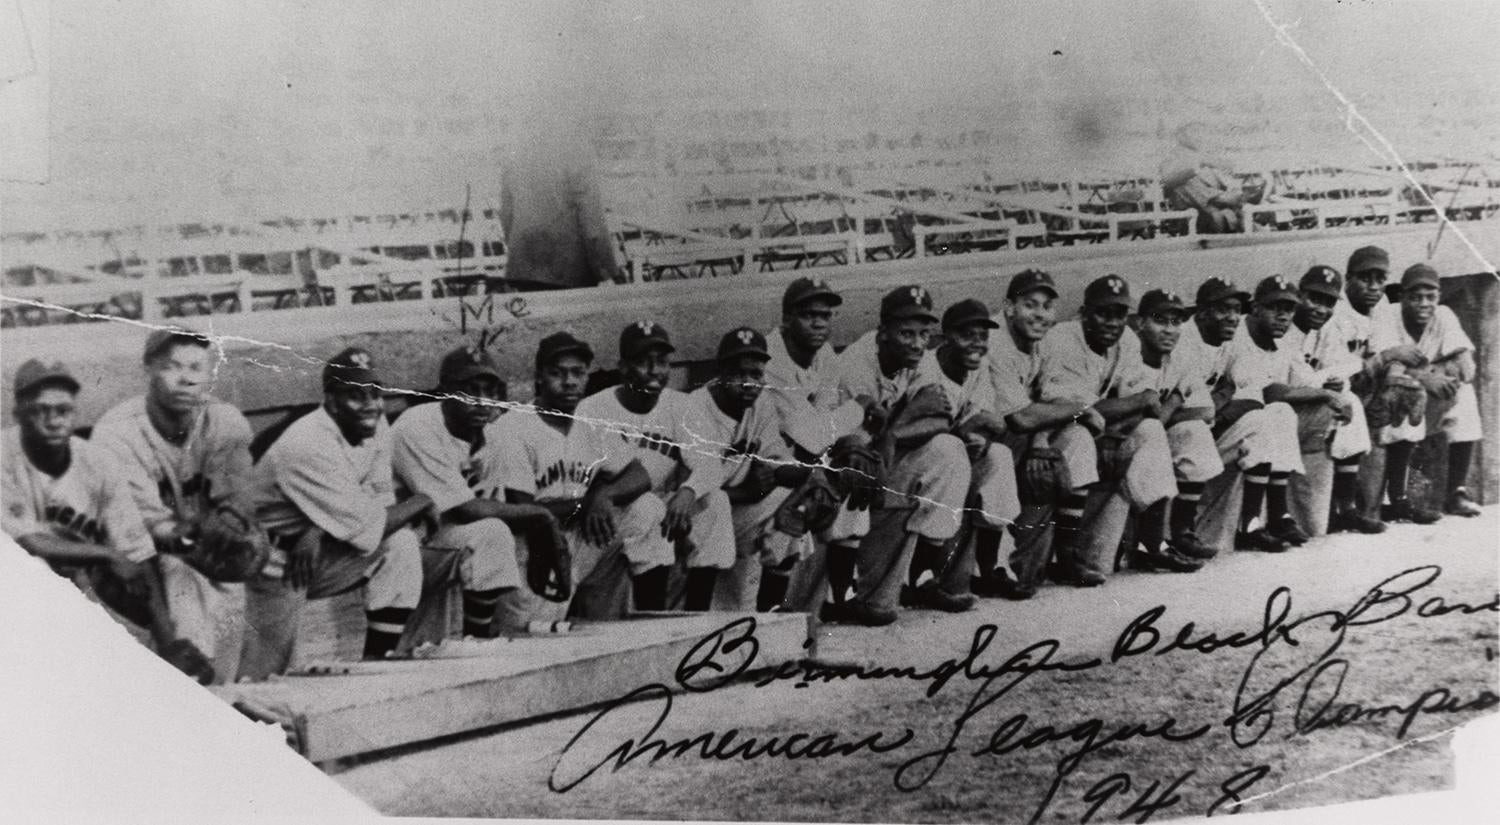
[
  {"x": 1187, "y": 413},
  {"x": 1447, "y": 374},
  {"x": 326, "y": 495},
  {"x": 649, "y": 418},
  {"x": 184, "y": 453},
  {"x": 67, "y": 503},
  {"x": 928, "y": 475},
  {"x": 1324, "y": 341},
  {"x": 1091, "y": 361},
  {"x": 450, "y": 452},
  {"x": 802, "y": 385},
  {"x": 578, "y": 471}
]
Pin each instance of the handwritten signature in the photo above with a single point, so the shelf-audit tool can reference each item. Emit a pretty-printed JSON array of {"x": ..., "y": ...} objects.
[{"x": 1286, "y": 652}]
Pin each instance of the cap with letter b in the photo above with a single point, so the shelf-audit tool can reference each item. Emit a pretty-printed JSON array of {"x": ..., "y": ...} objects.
[
  {"x": 352, "y": 367},
  {"x": 743, "y": 341},
  {"x": 1324, "y": 280},
  {"x": 906, "y": 302},
  {"x": 466, "y": 363},
  {"x": 1030, "y": 280},
  {"x": 1217, "y": 289},
  {"x": 642, "y": 336},
  {"x": 967, "y": 312},
  {"x": 558, "y": 344},
  {"x": 1276, "y": 289},
  {"x": 1111, "y": 290},
  {"x": 1156, "y": 301},
  {"x": 803, "y": 290}
]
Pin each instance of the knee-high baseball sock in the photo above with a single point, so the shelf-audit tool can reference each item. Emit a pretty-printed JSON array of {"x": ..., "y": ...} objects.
[
  {"x": 1150, "y": 526},
  {"x": 773, "y": 584},
  {"x": 1067, "y": 522},
  {"x": 1276, "y": 503},
  {"x": 479, "y": 611},
  {"x": 986, "y": 549},
  {"x": 930, "y": 554},
  {"x": 1256, "y": 479},
  {"x": 698, "y": 595},
  {"x": 841, "y": 560},
  {"x": 1459, "y": 456},
  {"x": 1185, "y": 506},
  {"x": 1397, "y": 460},
  {"x": 384, "y": 630},
  {"x": 649, "y": 588},
  {"x": 1346, "y": 483}
]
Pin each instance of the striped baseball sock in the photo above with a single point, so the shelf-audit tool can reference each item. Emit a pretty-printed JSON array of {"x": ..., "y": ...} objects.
[
  {"x": 1069, "y": 520},
  {"x": 698, "y": 594},
  {"x": 841, "y": 559},
  {"x": 1346, "y": 482},
  {"x": 1460, "y": 455},
  {"x": 1397, "y": 461},
  {"x": 1276, "y": 503},
  {"x": 1185, "y": 506},
  {"x": 987, "y": 550},
  {"x": 479, "y": 612},
  {"x": 1151, "y": 526},
  {"x": 1256, "y": 479},
  {"x": 649, "y": 588},
  {"x": 385, "y": 626}
]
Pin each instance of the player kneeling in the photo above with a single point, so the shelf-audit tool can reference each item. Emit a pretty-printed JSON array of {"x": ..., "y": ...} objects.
[{"x": 326, "y": 495}]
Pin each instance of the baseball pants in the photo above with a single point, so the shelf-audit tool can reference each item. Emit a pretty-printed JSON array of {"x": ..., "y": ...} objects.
[
  {"x": 1264, "y": 436},
  {"x": 1460, "y": 421},
  {"x": 929, "y": 484},
  {"x": 207, "y": 613},
  {"x": 1148, "y": 474},
  {"x": 1195, "y": 456},
  {"x": 1353, "y": 437},
  {"x": 996, "y": 504},
  {"x": 758, "y": 544}
]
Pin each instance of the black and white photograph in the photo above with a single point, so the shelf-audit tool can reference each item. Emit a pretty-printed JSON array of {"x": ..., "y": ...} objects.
[{"x": 749, "y": 410}]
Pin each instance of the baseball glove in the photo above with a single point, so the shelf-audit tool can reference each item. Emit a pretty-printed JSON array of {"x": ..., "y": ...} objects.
[
  {"x": 1400, "y": 398},
  {"x": 811, "y": 507},
  {"x": 1108, "y": 448},
  {"x": 1041, "y": 478},
  {"x": 226, "y": 546},
  {"x": 860, "y": 473},
  {"x": 549, "y": 565}
]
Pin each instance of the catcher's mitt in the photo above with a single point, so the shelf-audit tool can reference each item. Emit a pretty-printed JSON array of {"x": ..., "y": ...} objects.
[
  {"x": 1041, "y": 478},
  {"x": 1111, "y": 461},
  {"x": 1401, "y": 398},
  {"x": 549, "y": 565},
  {"x": 811, "y": 507},
  {"x": 860, "y": 474},
  {"x": 226, "y": 546}
]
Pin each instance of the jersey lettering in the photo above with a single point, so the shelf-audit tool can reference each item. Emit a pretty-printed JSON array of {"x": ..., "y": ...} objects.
[
  {"x": 76, "y": 523},
  {"x": 564, "y": 471},
  {"x": 655, "y": 442}
]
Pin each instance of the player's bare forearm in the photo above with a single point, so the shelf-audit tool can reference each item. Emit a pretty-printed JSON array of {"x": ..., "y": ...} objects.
[
  {"x": 56, "y": 548},
  {"x": 402, "y": 513},
  {"x": 1460, "y": 365},
  {"x": 1044, "y": 415},
  {"x": 483, "y": 508},
  {"x": 1287, "y": 394},
  {"x": 1115, "y": 409},
  {"x": 914, "y": 433},
  {"x": 1182, "y": 415},
  {"x": 626, "y": 486}
]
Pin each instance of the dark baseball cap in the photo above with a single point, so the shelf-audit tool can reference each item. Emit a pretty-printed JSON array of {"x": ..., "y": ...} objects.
[
  {"x": 1030, "y": 280},
  {"x": 1420, "y": 275},
  {"x": 1156, "y": 300},
  {"x": 34, "y": 375},
  {"x": 966, "y": 312},
  {"x": 906, "y": 302},
  {"x": 1274, "y": 289},
  {"x": 643, "y": 335},
  {"x": 1368, "y": 257},
  {"x": 1323, "y": 279},
  {"x": 1218, "y": 289},
  {"x": 743, "y": 341},
  {"x": 351, "y": 367},
  {"x": 161, "y": 339},
  {"x": 465, "y": 363},
  {"x": 559, "y": 344},
  {"x": 1111, "y": 289},
  {"x": 806, "y": 289}
]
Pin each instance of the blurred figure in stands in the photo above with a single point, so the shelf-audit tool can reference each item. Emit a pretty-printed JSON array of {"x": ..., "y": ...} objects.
[{"x": 1196, "y": 176}]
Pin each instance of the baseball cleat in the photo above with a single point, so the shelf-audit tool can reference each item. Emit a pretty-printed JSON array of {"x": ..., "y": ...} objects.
[
  {"x": 1460, "y": 503},
  {"x": 1407, "y": 510},
  {"x": 1083, "y": 577},
  {"x": 1352, "y": 521},
  {"x": 857, "y": 613},
  {"x": 1288, "y": 531},
  {"x": 1000, "y": 585},
  {"x": 932, "y": 597},
  {"x": 1259, "y": 541},
  {"x": 1188, "y": 544},
  {"x": 1165, "y": 561}
]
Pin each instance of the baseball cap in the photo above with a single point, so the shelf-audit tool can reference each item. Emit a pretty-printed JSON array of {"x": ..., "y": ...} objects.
[
  {"x": 643, "y": 335},
  {"x": 1029, "y": 281},
  {"x": 1218, "y": 289},
  {"x": 160, "y": 339},
  {"x": 1369, "y": 257},
  {"x": 352, "y": 366},
  {"x": 464, "y": 363},
  {"x": 1420, "y": 275},
  {"x": 1323, "y": 279},
  {"x": 1275, "y": 288},
  {"x": 743, "y": 341},
  {"x": 1156, "y": 300},
  {"x": 966, "y": 312},
  {"x": 906, "y": 302},
  {"x": 1111, "y": 289},
  {"x": 561, "y": 343},
  {"x": 806, "y": 289},
  {"x": 34, "y": 374}
]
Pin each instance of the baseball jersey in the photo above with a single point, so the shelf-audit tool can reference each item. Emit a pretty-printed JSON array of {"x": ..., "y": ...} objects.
[
  {"x": 1073, "y": 372},
  {"x": 88, "y": 503},
  {"x": 858, "y": 369},
  {"x": 1251, "y": 369},
  {"x": 546, "y": 464},
  {"x": 732, "y": 442},
  {"x": 312, "y": 476},
  {"x": 178, "y": 482},
  {"x": 1442, "y": 337},
  {"x": 1356, "y": 327},
  {"x": 1326, "y": 350},
  {"x": 1013, "y": 373},
  {"x": 659, "y": 439},
  {"x": 813, "y": 412},
  {"x": 429, "y": 460},
  {"x": 974, "y": 395},
  {"x": 1197, "y": 366}
]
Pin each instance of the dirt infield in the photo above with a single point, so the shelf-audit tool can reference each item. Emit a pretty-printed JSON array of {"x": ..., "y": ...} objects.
[{"x": 1440, "y": 663}]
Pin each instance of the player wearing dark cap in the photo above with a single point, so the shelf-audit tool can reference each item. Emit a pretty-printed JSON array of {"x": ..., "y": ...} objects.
[
  {"x": 928, "y": 475},
  {"x": 1322, "y": 338},
  {"x": 1446, "y": 372}
]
